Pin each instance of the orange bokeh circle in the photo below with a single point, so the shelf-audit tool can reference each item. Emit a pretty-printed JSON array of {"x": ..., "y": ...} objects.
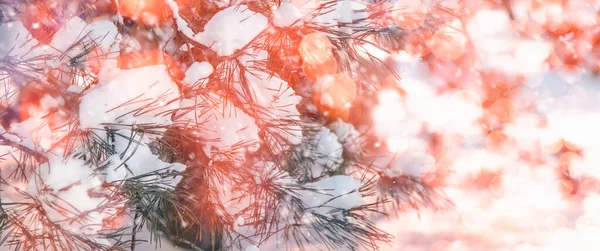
[
  {"x": 497, "y": 141},
  {"x": 149, "y": 58},
  {"x": 448, "y": 45},
  {"x": 147, "y": 11},
  {"x": 313, "y": 71},
  {"x": 503, "y": 109},
  {"x": 334, "y": 93},
  {"x": 315, "y": 48},
  {"x": 409, "y": 14}
]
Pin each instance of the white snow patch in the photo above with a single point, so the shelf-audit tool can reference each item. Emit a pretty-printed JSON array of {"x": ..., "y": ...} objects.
[
  {"x": 33, "y": 133},
  {"x": 182, "y": 25},
  {"x": 102, "y": 33},
  {"x": 327, "y": 152},
  {"x": 69, "y": 182},
  {"x": 232, "y": 29},
  {"x": 279, "y": 101},
  {"x": 337, "y": 192},
  {"x": 225, "y": 127},
  {"x": 134, "y": 158},
  {"x": 286, "y": 15},
  {"x": 499, "y": 47},
  {"x": 197, "y": 71},
  {"x": 136, "y": 96},
  {"x": 347, "y": 135},
  {"x": 412, "y": 163},
  {"x": 17, "y": 42}
]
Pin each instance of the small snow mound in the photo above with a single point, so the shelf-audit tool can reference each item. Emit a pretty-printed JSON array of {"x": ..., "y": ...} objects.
[
  {"x": 286, "y": 15},
  {"x": 411, "y": 163},
  {"x": 347, "y": 135},
  {"x": 135, "y": 96},
  {"x": 197, "y": 71},
  {"x": 280, "y": 101},
  {"x": 32, "y": 133},
  {"x": 134, "y": 158},
  {"x": 16, "y": 41},
  {"x": 70, "y": 182},
  {"x": 328, "y": 149},
  {"x": 102, "y": 33},
  {"x": 337, "y": 192},
  {"x": 228, "y": 130},
  {"x": 231, "y": 29}
]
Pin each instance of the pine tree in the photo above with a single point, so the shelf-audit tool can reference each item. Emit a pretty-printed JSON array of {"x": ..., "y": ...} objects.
[{"x": 218, "y": 124}]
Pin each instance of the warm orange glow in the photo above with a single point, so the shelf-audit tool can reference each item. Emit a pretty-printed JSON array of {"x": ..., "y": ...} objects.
[
  {"x": 315, "y": 48},
  {"x": 416, "y": 43},
  {"x": 390, "y": 82},
  {"x": 318, "y": 60},
  {"x": 148, "y": 11},
  {"x": 566, "y": 186},
  {"x": 335, "y": 93},
  {"x": 538, "y": 4},
  {"x": 149, "y": 58},
  {"x": 503, "y": 109},
  {"x": 116, "y": 221},
  {"x": 39, "y": 19},
  {"x": 531, "y": 28},
  {"x": 551, "y": 146},
  {"x": 497, "y": 141},
  {"x": 29, "y": 103},
  {"x": 560, "y": 28},
  {"x": 439, "y": 176},
  {"x": 409, "y": 14},
  {"x": 313, "y": 71},
  {"x": 566, "y": 159},
  {"x": 141, "y": 59},
  {"x": 448, "y": 44}
]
